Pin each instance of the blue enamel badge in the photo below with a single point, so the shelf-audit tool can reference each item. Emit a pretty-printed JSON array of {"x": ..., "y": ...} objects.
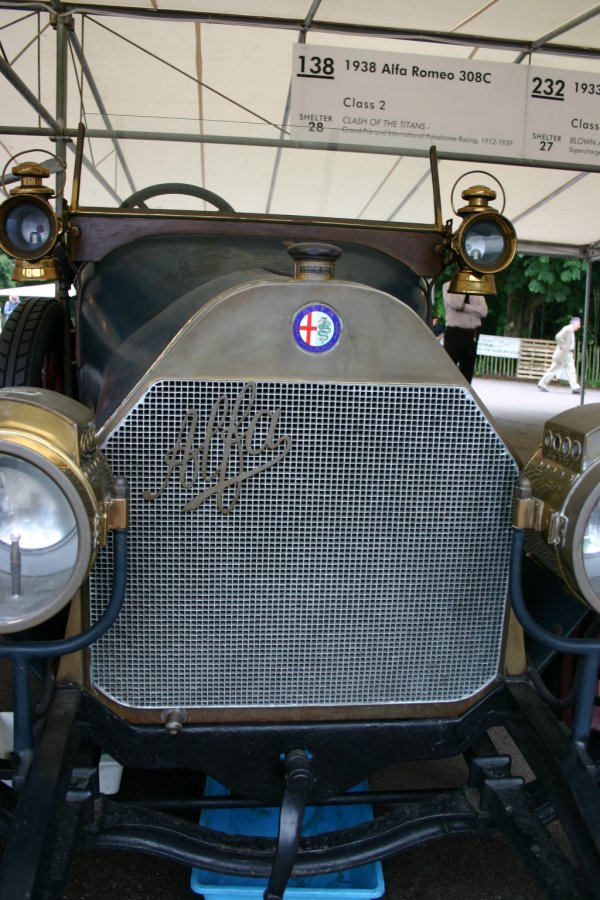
[{"x": 316, "y": 328}]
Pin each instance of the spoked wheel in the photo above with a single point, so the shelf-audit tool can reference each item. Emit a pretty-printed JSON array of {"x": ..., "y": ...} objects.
[{"x": 31, "y": 346}]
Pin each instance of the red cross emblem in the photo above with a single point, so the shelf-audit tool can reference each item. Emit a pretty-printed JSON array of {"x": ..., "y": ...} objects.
[{"x": 306, "y": 328}]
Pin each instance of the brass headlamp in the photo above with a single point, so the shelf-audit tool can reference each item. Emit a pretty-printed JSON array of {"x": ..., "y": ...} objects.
[
  {"x": 561, "y": 501},
  {"x": 485, "y": 243},
  {"x": 56, "y": 503},
  {"x": 29, "y": 226}
]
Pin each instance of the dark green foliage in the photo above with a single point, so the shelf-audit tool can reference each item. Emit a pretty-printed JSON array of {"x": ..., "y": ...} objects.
[
  {"x": 536, "y": 296},
  {"x": 6, "y": 268}
]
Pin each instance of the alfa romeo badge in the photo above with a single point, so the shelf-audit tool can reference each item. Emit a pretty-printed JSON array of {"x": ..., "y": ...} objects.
[{"x": 316, "y": 328}]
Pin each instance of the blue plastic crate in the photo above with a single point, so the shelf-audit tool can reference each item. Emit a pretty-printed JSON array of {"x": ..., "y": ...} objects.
[{"x": 363, "y": 883}]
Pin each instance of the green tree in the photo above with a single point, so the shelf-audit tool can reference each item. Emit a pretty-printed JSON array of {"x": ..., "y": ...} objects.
[
  {"x": 6, "y": 268},
  {"x": 536, "y": 295}
]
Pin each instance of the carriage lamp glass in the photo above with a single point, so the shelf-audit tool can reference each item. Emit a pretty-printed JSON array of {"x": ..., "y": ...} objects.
[
  {"x": 54, "y": 493},
  {"x": 565, "y": 509},
  {"x": 484, "y": 242},
  {"x": 28, "y": 227}
]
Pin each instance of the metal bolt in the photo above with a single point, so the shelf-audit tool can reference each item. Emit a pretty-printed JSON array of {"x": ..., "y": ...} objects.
[{"x": 174, "y": 720}]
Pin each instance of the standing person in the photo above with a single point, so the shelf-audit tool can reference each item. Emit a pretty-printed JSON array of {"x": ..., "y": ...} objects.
[
  {"x": 10, "y": 305},
  {"x": 464, "y": 313},
  {"x": 563, "y": 357}
]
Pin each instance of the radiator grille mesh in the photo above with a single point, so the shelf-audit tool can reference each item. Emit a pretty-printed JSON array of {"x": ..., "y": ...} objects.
[{"x": 369, "y": 566}]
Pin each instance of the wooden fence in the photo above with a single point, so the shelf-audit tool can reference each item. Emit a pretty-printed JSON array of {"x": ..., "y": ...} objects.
[{"x": 534, "y": 358}]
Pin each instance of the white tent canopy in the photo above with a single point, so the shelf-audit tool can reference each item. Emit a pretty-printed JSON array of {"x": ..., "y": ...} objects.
[{"x": 198, "y": 91}]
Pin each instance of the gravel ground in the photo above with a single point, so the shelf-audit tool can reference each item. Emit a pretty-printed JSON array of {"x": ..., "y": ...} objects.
[{"x": 483, "y": 868}]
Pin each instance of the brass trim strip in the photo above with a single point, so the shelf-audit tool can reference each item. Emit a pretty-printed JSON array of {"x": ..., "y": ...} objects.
[
  {"x": 314, "y": 714},
  {"x": 77, "y": 167}
]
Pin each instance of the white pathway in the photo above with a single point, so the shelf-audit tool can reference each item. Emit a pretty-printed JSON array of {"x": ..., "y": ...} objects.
[{"x": 521, "y": 410}]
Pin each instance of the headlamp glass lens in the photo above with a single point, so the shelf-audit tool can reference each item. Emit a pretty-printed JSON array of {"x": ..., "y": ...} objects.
[
  {"x": 591, "y": 549},
  {"x": 39, "y": 543},
  {"x": 484, "y": 242},
  {"x": 32, "y": 506}
]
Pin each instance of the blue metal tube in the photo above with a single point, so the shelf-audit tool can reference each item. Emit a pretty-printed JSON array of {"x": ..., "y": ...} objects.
[
  {"x": 22, "y": 706},
  {"x": 63, "y": 646},
  {"x": 589, "y": 649}
]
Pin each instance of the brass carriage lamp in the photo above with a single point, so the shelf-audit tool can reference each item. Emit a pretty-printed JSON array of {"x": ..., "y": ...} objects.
[
  {"x": 485, "y": 243},
  {"x": 29, "y": 226}
]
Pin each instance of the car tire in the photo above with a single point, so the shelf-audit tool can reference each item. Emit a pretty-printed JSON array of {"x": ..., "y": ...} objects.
[{"x": 31, "y": 345}]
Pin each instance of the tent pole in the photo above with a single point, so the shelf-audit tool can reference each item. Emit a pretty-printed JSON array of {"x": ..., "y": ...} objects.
[
  {"x": 62, "y": 27},
  {"x": 586, "y": 322}
]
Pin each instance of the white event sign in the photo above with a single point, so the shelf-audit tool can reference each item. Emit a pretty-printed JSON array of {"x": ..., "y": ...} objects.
[
  {"x": 465, "y": 107},
  {"x": 496, "y": 345},
  {"x": 364, "y": 97},
  {"x": 563, "y": 117}
]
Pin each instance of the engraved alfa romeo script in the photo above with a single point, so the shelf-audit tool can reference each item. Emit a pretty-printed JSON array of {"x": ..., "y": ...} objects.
[{"x": 221, "y": 462}]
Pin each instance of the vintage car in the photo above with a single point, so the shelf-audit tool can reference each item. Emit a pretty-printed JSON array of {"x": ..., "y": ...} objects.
[{"x": 254, "y": 523}]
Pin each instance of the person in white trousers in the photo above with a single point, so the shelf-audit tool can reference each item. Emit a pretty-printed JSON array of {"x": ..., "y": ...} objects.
[{"x": 563, "y": 357}]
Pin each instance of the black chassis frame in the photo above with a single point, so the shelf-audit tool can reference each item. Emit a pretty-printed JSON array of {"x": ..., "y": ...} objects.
[{"x": 59, "y": 807}]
